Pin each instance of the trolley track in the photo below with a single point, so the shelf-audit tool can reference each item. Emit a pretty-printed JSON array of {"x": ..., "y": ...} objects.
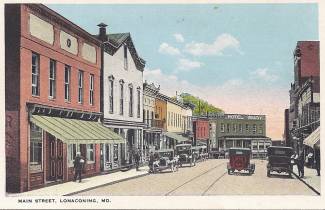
[
  {"x": 196, "y": 177},
  {"x": 213, "y": 183}
]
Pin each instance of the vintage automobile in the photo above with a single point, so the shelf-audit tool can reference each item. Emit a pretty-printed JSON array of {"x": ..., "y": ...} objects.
[
  {"x": 185, "y": 154},
  {"x": 165, "y": 160},
  {"x": 200, "y": 152},
  {"x": 239, "y": 159},
  {"x": 279, "y": 160}
]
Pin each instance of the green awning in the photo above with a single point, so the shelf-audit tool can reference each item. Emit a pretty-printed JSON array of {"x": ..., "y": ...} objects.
[
  {"x": 313, "y": 139},
  {"x": 72, "y": 131},
  {"x": 175, "y": 136}
]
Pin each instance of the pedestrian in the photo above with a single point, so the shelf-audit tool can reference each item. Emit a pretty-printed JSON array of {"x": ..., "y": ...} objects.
[
  {"x": 317, "y": 161},
  {"x": 78, "y": 165},
  {"x": 310, "y": 159},
  {"x": 301, "y": 164},
  {"x": 151, "y": 160},
  {"x": 137, "y": 159}
]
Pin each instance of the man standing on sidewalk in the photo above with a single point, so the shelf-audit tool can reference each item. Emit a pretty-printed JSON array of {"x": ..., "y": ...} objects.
[
  {"x": 317, "y": 160},
  {"x": 77, "y": 164},
  {"x": 301, "y": 164}
]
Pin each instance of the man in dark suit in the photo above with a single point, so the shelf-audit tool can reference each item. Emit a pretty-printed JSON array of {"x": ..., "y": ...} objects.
[{"x": 78, "y": 164}]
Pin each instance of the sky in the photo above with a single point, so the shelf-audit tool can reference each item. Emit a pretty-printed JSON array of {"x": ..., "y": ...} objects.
[{"x": 238, "y": 57}]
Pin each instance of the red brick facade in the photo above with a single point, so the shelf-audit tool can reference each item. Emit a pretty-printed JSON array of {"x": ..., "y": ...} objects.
[
  {"x": 201, "y": 129},
  {"x": 20, "y": 45}
]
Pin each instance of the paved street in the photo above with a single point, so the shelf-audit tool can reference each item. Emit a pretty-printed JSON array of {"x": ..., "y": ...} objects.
[{"x": 207, "y": 178}]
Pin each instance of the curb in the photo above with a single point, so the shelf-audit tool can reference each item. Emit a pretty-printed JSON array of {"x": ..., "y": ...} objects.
[
  {"x": 106, "y": 184},
  {"x": 308, "y": 185}
]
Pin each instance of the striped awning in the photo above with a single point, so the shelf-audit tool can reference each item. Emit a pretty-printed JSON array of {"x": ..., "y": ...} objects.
[
  {"x": 176, "y": 136},
  {"x": 313, "y": 138},
  {"x": 72, "y": 131}
]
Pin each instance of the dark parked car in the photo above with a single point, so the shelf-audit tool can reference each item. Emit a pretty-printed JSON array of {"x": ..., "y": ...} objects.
[
  {"x": 279, "y": 160},
  {"x": 165, "y": 160},
  {"x": 239, "y": 159},
  {"x": 186, "y": 154}
]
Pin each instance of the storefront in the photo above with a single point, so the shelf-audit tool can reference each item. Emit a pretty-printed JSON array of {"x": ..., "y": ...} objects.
[
  {"x": 172, "y": 139},
  {"x": 54, "y": 142}
]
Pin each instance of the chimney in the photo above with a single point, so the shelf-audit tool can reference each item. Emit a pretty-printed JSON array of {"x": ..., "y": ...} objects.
[{"x": 102, "y": 32}]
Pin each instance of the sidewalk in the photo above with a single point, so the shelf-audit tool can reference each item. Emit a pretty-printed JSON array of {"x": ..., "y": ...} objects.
[
  {"x": 87, "y": 183},
  {"x": 310, "y": 177}
]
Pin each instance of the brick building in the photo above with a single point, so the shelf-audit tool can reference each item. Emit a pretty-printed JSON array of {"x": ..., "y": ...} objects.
[
  {"x": 304, "y": 110},
  {"x": 52, "y": 72},
  {"x": 201, "y": 131}
]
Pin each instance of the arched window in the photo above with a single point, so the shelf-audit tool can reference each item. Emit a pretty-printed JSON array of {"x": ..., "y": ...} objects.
[
  {"x": 121, "y": 97},
  {"x": 130, "y": 100},
  {"x": 111, "y": 93},
  {"x": 138, "y": 101}
]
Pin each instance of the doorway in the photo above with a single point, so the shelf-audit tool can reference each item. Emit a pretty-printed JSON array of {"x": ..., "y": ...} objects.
[{"x": 54, "y": 157}]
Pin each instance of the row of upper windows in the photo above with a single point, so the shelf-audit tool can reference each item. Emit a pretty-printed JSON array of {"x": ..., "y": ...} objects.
[
  {"x": 121, "y": 98},
  {"x": 239, "y": 128},
  {"x": 175, "y": 120},
  {"x": 67, "y": 81}
]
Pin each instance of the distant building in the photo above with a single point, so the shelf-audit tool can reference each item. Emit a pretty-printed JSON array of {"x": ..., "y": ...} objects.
[
  {"x": 238, "y": 130},
  {"x": 286, "y": 132},
  {"x": 278, "y": 143},
  {"x": 153, "y": 125},
  {"x": 201, "y": 131},
  {"x": 212, "y": 135},
  {"x": 178, "y": 123}
]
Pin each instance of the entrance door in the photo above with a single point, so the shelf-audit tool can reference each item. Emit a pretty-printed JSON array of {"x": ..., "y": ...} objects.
[{"x": 54, "y": 156}]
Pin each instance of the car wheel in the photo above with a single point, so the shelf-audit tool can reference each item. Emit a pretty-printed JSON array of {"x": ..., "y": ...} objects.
[
  {"x": 229, "y": 171},
  {"x": 268, "y": 173},
  {"x": 290, "y": 176}
]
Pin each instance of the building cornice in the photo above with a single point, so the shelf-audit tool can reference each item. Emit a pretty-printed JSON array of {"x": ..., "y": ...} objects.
[{"x": 54, "y": 17}]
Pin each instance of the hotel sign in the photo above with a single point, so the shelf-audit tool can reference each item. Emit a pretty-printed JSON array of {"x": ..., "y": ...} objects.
[{"x": 244, "y": 117}]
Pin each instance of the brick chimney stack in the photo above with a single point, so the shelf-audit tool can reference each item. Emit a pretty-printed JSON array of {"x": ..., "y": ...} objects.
[{"x": 102, "y": 32}]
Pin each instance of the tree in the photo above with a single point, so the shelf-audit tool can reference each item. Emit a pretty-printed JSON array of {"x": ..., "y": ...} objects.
[{"x": 201, "y": 107}]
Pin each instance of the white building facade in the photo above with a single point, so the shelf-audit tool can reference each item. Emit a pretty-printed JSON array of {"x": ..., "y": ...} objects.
[{"x": 122, "y": 98}]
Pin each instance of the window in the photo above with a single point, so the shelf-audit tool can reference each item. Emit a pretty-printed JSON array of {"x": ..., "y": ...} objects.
[
  {"x": 138, "y": 102},
  {"x": 260, "y": 129},
  {"x": 52, "y": 77},
  {"x": 254, "y": 128},
  {"x": 91, "y": 89},
  {"x": 125, "y": 57},
  {"x": 261, "y": 146},
  {"x": 72, "y": 152},
  {"x": 169, "y": 118},
  {"x": 222, "y": 127},
  {"x": 115, "y": 152},
  {"x": 35, "y": 74},
  {"x": 80, "y": 86},
  {"x": 121, "y": 97},
  {"x": 148, "y": 118},
  {"x": 67, "y": 72},
  {"x": 235, "y": 127},
  {"x": 111, "y": 94},
  {"x": 228, "y": 128},
  {"x": 247, "y": 128},
  {"x": 130, "y": 101},
  {"x": 107, "y": 155},
  {"x": 35, "y": 148},
  {"x": 90, "y": 152},
  {"x": 240, "y": 128}
]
